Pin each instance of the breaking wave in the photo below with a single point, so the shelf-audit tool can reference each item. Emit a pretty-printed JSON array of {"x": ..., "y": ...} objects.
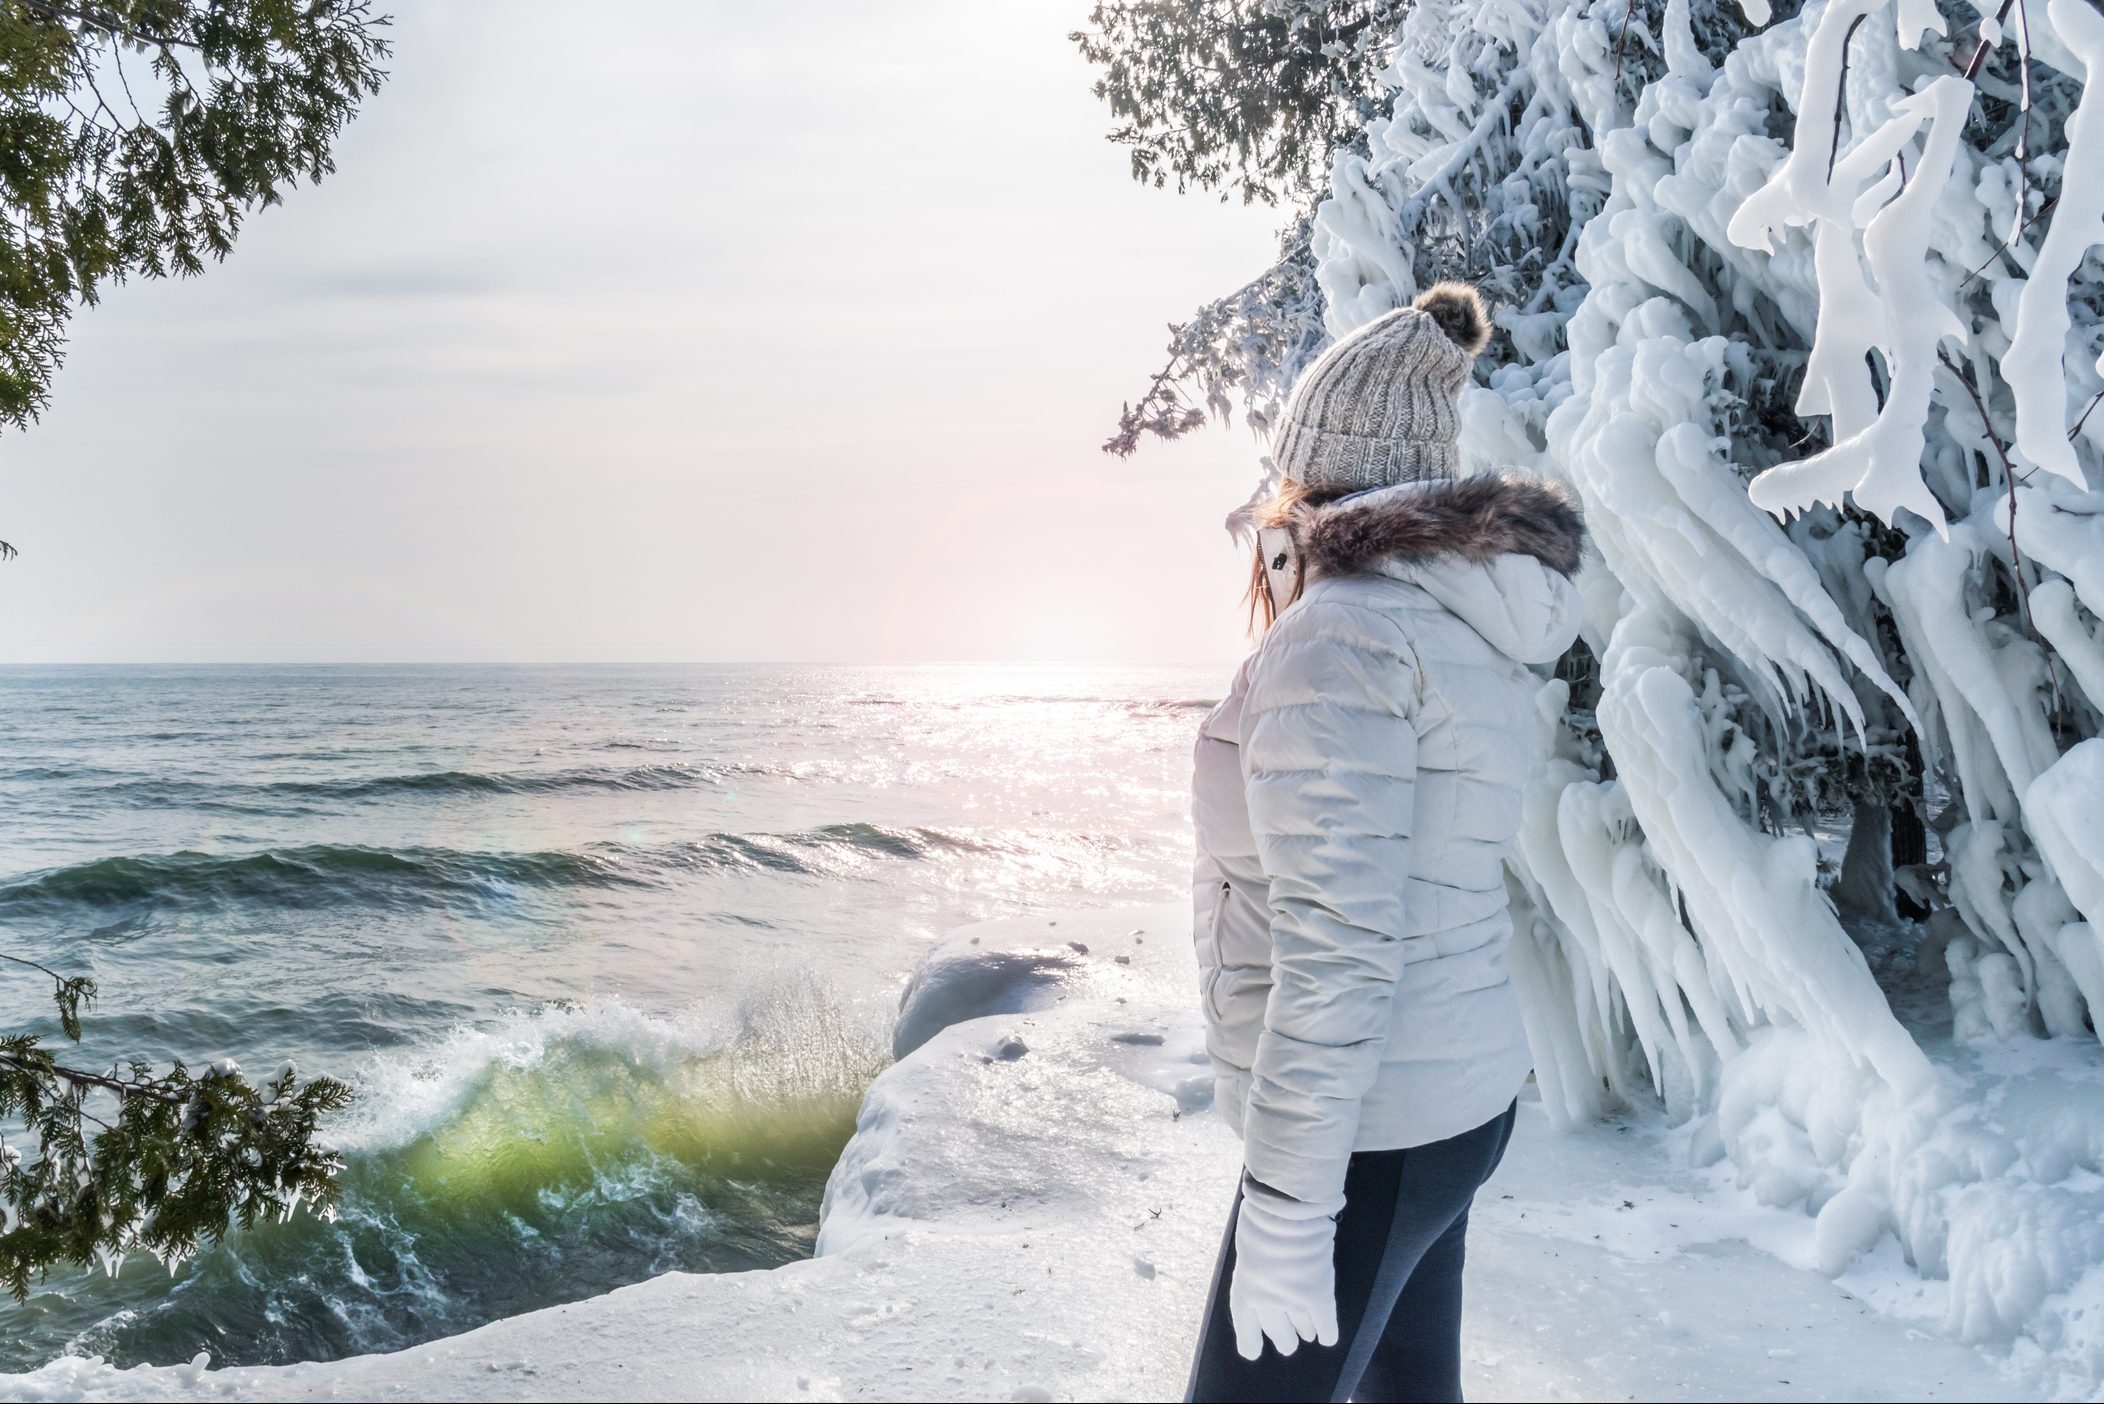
[{"x": 551, "y": 1156}]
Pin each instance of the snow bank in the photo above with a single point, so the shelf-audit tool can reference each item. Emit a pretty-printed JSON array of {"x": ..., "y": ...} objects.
[
  {"x": 1026, "y": 1211},
  {"x": 1030, "y": 1209}
]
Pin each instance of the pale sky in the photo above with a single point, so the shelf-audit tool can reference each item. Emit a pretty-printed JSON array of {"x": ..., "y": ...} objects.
[{"x": 630, "y": 331}]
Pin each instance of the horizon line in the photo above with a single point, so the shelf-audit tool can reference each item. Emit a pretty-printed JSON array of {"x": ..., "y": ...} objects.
[{"x": 618, "y": 663}]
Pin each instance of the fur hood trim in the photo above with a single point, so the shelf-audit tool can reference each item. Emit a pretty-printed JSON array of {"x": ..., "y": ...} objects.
[{"x": 1475, "y": 519}]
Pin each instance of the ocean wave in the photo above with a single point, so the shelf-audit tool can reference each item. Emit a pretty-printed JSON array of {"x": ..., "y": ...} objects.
[
  {"x": 875, "y": 838},
  {"x": 54, "y": 772},
  {"x": 708, "y": 1087},
  {"x": 1136, "y": 706},
  {"x": 316, "y": 875},
  {"x": 306, "y": 876},
  {"x": 617, "y": 1143},
  {"x": 671, "y": 775},
  {"x": 823, "y": 851},
  {"x": 1170, "y": 704}
]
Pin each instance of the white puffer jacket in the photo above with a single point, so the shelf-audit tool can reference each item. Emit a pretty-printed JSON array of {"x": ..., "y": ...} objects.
[{"x": 1355, "y": 797}]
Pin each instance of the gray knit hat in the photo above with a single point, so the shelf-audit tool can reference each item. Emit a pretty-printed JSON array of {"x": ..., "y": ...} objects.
[{"x": 1378, "y": 407}]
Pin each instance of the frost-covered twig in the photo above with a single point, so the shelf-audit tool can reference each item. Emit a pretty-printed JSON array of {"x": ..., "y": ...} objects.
[
  {"x": 2023, "y": 141},
  {"x": 2007, "y": 244},
  {"x": 1161, "y": 411},
  {"x": 2033, "y": 367},
  {"x": 1244, "y": 347},
  {"x": 2083, "y": 418},
  {"x": 2010, "y": 479},
  {"x": 1833, "y": 151},
  {"x": 1987, "y": 41}
]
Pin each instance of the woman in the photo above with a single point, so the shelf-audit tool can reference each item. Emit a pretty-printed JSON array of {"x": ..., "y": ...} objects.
[{"x": 1356, "y": 795}]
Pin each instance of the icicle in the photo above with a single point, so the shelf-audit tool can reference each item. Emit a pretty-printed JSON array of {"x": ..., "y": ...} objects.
[
  {"x": 2062, "y": 809},
  {"x": 1755, "y": 899},
  {"x": 2053, "y": 611},
  {"x": 2032, "y": 365}
]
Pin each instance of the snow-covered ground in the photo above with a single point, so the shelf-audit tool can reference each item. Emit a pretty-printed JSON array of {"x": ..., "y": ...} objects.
[{"x": 1030, "y": 1208}]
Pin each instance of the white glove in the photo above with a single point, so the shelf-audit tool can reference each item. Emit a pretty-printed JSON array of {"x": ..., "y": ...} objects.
[{"x": 1285, "y": 1282}]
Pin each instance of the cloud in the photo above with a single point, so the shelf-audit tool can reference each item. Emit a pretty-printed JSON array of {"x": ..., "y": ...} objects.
[{"x": 402, "y": 282}]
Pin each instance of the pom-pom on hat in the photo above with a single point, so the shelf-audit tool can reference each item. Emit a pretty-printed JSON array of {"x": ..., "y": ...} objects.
[{"x": 1378, "y": 407}]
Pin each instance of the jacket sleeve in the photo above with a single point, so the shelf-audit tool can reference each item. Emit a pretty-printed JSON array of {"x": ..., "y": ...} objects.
[{"x": 1329, "y": 759}]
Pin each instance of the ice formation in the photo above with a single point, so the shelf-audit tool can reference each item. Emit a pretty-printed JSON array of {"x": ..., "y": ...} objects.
[{"x": 1808, "y": 307}]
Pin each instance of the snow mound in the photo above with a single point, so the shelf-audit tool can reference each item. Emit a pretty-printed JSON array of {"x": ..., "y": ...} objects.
[{"x": 964, "y": 979}]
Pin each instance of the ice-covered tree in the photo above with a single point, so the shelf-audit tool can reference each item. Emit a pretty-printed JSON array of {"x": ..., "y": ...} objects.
[{"x": 1808, "y": 307}]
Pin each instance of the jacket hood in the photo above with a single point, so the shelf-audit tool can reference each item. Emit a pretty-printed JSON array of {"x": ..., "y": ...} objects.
[
  {"x": 1471, "y": 519},
  {"x": 1496, "y": 550}
]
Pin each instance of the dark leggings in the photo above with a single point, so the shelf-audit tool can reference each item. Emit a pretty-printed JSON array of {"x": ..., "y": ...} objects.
[{"x": 1400, "y": 1242}]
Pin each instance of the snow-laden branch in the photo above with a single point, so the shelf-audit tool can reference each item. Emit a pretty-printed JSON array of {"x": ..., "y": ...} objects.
[
  {"x": 1893, "y": 312},
  {"x": 2032, "y": 365}
]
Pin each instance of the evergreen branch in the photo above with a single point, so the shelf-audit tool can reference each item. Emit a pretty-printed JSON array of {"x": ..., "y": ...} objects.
[
  {"x": 33, "y": 965},
  {"x": 181, "y": 1161},
  {"x": 107, "y": 22},
  {"x": 70, "y": 992},
  {"x": 252, "y": 94},
  {"x": 154, "y": 1089}
]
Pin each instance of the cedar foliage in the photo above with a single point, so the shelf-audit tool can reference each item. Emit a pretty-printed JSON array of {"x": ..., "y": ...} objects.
[
  {"x": 132, "y": 1158},
  {"x": 136, "y": 134},
  {"x": 1244, "y": 97},
  {"x": 1249, "y": 98}
]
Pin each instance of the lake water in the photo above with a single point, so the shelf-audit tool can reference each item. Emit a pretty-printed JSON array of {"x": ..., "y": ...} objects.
[{"x": 609, "y": 952}]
